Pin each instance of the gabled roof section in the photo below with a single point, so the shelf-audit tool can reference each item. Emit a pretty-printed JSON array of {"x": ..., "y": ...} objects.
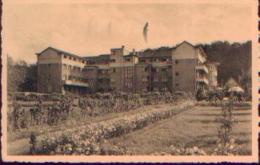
[
  {"x": 196, "y": 47},
  {"x": 202, "y": 51},
  {"x": 61, "y": 51},
  {"x": 183, "y": 42}
]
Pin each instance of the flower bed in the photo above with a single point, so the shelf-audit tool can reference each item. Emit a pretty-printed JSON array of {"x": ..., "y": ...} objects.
[
  {"x": 220, "y": 104},
  {"x": 87, "y": 140}
]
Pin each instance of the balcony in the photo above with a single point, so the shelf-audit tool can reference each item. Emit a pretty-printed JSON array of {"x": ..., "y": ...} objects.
[
  {"x": 201, "y": 58},
  {"x": 76, "y": 83},
  {"x": 202, "y": 80},
  {"x": 202, "y": 68}
]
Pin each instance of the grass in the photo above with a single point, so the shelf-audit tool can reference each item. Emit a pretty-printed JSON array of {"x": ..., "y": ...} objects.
[
  {"x": 189, "y": 129},
  {"x": 195, "y": 127}
]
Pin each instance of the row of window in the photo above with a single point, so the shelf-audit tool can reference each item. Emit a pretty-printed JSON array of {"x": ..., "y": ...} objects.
[
  {"x": 75, "y": 68},
  {"x": 155, "y": 60},
  {"x": 146, "y": 69},
  {"x": 155, "y": 79},
  {"x": 74, "y": 59},
  {"x": 74, "y": 78}
]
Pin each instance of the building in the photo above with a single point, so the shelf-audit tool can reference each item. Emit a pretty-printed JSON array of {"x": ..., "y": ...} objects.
[
  {"x": 181, "y": 68},
  {"x": 60, "y": 72},
  {"x": 213, "y": 75}
]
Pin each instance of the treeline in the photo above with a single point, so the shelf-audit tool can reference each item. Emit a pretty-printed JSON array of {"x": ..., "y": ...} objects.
[
  {"x": 234, "y": 60},
  {"x": 21, "y": 76}
]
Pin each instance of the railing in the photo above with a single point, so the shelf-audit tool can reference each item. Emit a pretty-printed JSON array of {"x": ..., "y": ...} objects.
[
  {"x": 202, "y": 67},
  {"x": 202, "y": 79},
  {"x": 165, "y": 63},
  {"x": 76, "y": 83}
]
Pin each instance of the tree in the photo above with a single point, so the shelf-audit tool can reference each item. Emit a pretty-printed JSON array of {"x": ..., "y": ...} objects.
[
  {"x": 234, "y": 59},
  {"x": 21, "y": 77}
]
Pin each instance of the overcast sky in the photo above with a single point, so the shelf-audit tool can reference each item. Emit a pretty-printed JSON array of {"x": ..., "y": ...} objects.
[{"x": 92, "y": 29}]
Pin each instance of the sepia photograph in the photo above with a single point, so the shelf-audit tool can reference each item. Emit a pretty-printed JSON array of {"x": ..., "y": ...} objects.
[{"x": 159, "y": 79}]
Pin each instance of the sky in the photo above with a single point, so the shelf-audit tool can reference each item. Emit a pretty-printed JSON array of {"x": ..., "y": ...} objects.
[{"x": 94, "y": 28}]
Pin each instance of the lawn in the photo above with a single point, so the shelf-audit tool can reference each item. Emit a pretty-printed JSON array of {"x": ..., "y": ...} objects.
[{"x": 195, "y": 127}]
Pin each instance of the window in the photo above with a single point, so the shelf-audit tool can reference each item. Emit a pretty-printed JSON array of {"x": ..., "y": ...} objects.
[
  {"x": 146, "y": 69},
  {"x": 176, "y": 73},
  {"x": 128, "y": 59},
  {"x": 176, "y": 61},
  {"x": 112, "y": 60},
  {"x": 65, "y": 66},
  {"x": 163, "y": 59},
  {"x": 70, "y": 58},
  {"x": 164, "y": 69},
  {"x": 114, "y": 70},
  {"x": 65, "y": 56},
  {"x": 176, "y": 84},
  {"x": 169, "y": 67}
]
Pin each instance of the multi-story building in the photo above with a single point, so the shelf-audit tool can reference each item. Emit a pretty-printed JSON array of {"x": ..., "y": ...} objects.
[
  {"x": 180, "y": 68},
  {"x": 60, "y": 71}
]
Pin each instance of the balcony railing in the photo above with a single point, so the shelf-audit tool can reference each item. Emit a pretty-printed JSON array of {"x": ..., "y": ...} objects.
[
  {"x": 162, "y": 63},
  {"x": 76, "y": 83},
  {"x": 203, "y": 80},
  {"x": 203, "y": 68}
]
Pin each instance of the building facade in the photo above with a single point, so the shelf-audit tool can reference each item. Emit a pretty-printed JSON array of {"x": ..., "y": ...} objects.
[
  {"x": 213, "y": 75},
  {"x": 183, "y": 68}
]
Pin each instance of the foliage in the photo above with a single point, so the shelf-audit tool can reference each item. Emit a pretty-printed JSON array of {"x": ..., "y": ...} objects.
[
  {"x": 201, "y": 94},
  {"x": 31, "y": 110},
  {"x": 226, "y": 143},
  {"x": 87, "y": 141},
  {"x": 234, "y": 59},
  {"x": 21, "y": 76}
]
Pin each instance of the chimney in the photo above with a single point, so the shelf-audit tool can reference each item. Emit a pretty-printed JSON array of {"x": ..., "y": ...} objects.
[{"x": 133, "y": 51}]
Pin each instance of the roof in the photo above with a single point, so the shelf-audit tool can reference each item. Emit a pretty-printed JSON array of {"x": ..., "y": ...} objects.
[
  {"x": 61, "y": 51},
  {"x": 99, "y": 58},
  {"x": 162, "y": 51},
  {"x": 158, "y": 52},
  {"x": 131, "y": 54}
]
